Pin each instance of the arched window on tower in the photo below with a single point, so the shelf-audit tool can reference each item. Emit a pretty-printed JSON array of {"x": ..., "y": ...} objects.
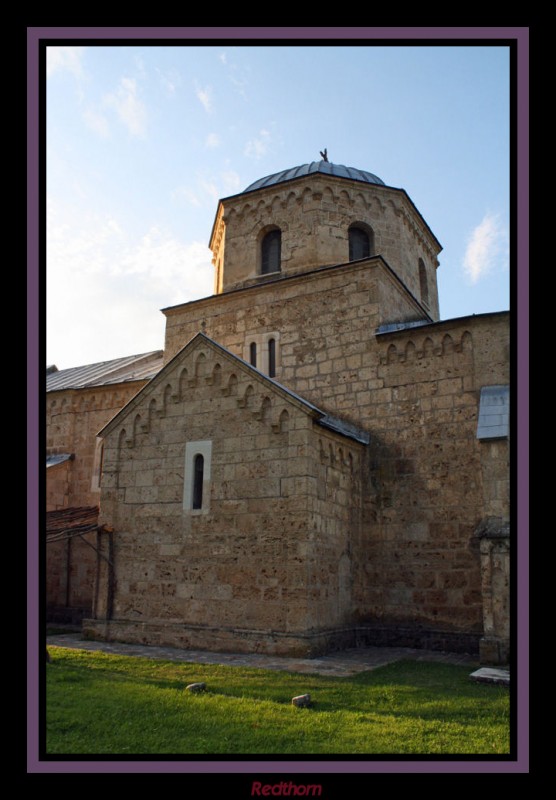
[
  {"x": 360, "y": 242},
  {"x": 253, "y": 354},
  {"x": 423, "y": 283},
  {"x": 198, "y": 477},
  {"x": 271, "y": 247}
]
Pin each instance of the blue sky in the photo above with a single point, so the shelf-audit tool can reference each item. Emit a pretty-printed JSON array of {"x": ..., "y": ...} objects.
[{"x": 143, "y": 141}]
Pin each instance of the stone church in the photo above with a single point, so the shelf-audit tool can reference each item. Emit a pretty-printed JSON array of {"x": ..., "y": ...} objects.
[{"x": 319, "y": 461}]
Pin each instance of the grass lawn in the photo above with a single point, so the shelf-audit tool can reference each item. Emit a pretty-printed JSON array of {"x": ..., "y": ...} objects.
[{"x": 99, "y": 703}]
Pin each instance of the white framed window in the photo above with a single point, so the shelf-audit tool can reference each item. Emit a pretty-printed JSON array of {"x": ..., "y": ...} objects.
[{"x": 196, "y": 486}]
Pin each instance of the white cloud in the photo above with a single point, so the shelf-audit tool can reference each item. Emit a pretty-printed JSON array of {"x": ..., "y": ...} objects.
[
  {"x": 170, "y": 80},
  {"x": 130, "y": 109},
  {"x": 64, "y": 58},
  {"x": 209, "y": 187},
  {"x": 186, "y": 193},
  {"x": 231, "y": 182},
  {"x": 105, "y": 291},
  {"x": 258, "y": 146},
  {"x": 212, "y": 140},
  {"x": 97, "y": 122},
  {"x": 237, "y": 75},
  {"x": 486, "y": 248},
  {"x": 140, "y": 66},
  {"x": 205, "y": 97}
]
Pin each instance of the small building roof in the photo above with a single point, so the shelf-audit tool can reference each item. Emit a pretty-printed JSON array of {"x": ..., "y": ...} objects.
[
  {"x": 77, "y": 520},
  {"x": 53, "y": 461},
  {"x": 119, "y": 370}
]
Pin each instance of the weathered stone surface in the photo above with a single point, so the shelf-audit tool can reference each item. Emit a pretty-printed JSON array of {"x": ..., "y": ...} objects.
[
  {"x": 311, "y": 539},
  {"x": 302, "y": 701}
]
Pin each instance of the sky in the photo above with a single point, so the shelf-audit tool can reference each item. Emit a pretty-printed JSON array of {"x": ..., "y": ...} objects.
[{"x": 142, "y": 141}]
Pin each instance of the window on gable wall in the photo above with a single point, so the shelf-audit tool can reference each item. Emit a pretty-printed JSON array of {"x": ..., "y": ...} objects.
[
  {"x": 272, "y": 358},
  {"x": 196, "y": 489},
  {"x": 253, "y": 354},
  {"x": 198, "y": 472}
]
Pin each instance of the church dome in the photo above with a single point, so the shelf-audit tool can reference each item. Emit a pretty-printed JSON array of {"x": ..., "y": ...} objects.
[{"x": 323, "y": 167}]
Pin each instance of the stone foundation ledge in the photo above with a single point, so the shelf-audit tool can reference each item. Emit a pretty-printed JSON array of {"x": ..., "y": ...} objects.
[
  {"x": 66, "y": 615},
  {"x": 293, "y": 644},
  {"x": 494, "y": 650},
  {"x": 417, "y": 636}
]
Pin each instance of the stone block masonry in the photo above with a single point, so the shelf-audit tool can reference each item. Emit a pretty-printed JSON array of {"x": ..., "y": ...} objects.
[
  {"x": 241, "y": 519},
  {"x": 262, "y": 564}
]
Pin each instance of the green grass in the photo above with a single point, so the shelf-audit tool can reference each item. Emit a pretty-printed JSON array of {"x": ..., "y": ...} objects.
[{"x": 99, "y": 703}]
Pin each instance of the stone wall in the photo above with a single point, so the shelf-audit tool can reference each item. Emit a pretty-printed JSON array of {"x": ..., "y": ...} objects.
[
  {"x": 73, "y": 419},
  {"x": 429, "y": 480},
  {"x": 314, "y": 215},
  {"x": 493, "y": 535},
  {"x": 257, "y": 566},
  {"x": 430, "y": 488},
  {"x": 58, "y": 485},
  {"x": 70, "y": 578},
  {"x": 321, "y": 318}
]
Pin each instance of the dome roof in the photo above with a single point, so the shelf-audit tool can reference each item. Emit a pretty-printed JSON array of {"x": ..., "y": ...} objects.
[{"x": 324, "y": 167}]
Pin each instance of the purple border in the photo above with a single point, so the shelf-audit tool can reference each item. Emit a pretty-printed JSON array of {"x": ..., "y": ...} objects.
[{"x": 521, "y": 36}]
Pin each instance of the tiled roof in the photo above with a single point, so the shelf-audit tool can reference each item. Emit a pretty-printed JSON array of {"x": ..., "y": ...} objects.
[{"x": 79, "y": 519}]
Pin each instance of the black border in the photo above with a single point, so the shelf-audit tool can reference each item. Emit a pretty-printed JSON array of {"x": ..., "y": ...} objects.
[{"x": 514, "y": 38}]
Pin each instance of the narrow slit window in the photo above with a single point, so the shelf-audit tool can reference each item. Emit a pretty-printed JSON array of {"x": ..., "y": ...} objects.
[
  {"x": 271, "y": 358},
  {"x": 198, "y": 477},
  {"x": 253, "y": 354},
  {"x": 196, "y": 482}
]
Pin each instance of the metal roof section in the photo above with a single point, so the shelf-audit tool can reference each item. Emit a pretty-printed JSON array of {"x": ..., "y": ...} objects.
[
  {"x": 494, "y": 413},
  {"x": 397, "y": 327},
  {"x": 322, "y": 167},
  {"x": 53, "y": 461},
  {"x": 120, "y": 370},
  {"x": 401, "y": 326},
  {"x": 344, "y": 428}
]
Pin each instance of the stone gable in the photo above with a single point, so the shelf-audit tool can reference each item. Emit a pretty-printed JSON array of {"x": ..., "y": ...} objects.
[{"x": 261, "y": 562}]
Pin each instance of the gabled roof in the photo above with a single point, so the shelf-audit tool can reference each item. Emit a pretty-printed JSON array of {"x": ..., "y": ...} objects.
[
  {"x": 319, "y": 416},
  {"x": 119, "y": 370}
]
